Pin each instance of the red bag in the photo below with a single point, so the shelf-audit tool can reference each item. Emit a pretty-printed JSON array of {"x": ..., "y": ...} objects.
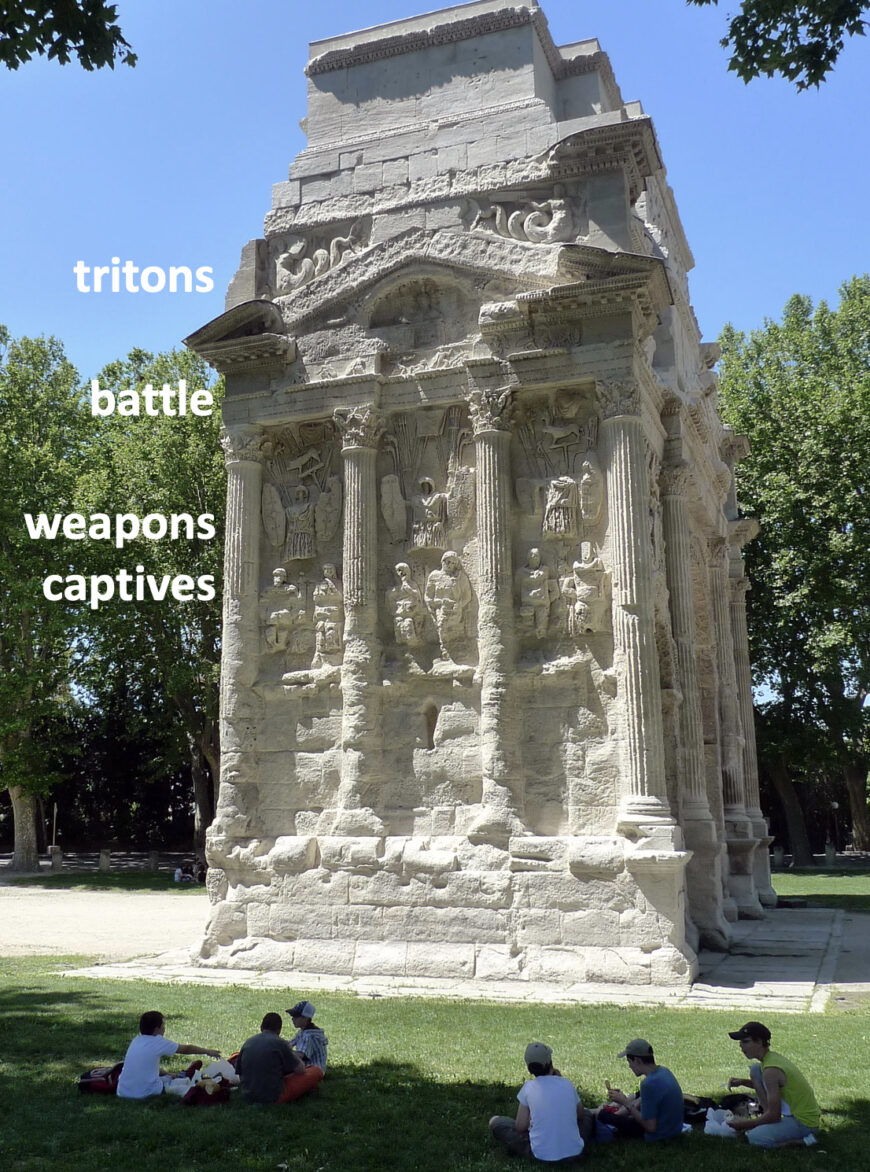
[{"x": 101, "y": 1081}]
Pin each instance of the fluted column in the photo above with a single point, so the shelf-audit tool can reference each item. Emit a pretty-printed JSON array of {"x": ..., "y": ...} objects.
[
  {"x": 243, "y": 448},
  {"x": 704, "y": 872},
  {"x": 742, "y": 531},
  {"x": 361, "y": 730},
  {"x": 628, "y": 499},
  {"x": 740, "y": 840},
  {"x": 502, "y": 797}
]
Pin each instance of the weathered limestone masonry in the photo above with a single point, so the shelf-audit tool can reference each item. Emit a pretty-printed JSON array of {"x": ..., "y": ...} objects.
[{"x": 485, "y": 696}]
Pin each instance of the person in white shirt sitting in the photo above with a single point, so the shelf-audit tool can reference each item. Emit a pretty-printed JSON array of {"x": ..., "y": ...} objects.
[{"x": 141, "y": 1075}]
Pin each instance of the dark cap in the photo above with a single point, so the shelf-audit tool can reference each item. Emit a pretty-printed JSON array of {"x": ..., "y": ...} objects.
[
  {"x": 639, "y": 1048},
  {"x": 754, "y": 1030},
  {"x": 302, "y": 1009}
]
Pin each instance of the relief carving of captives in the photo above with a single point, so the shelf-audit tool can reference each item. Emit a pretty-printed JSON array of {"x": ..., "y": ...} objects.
[
  {"x": 302, "y": 493},
  {"x": 306, "y": 622},
  {"x": 569, "y": 602},
  {"x": 556, "y": 446}
]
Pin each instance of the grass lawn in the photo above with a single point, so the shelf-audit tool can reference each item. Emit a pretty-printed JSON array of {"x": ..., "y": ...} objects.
[
  {"x": 411, "y": 1083},
  {"x": 91, "y": 880},
  {"x": 847, "y": 889}
]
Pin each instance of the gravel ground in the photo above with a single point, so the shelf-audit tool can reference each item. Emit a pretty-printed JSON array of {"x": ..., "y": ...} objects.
[{"x": 109, "y": 924}]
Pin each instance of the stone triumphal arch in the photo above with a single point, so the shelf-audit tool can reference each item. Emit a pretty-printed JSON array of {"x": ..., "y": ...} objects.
[{"x": 485, "y": 695}]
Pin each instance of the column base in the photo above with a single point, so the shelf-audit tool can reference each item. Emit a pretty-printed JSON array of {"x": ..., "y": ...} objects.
[{"x": 704, "y": 885}]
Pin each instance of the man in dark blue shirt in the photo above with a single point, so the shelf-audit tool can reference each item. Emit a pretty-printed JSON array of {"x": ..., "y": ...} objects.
[{"x": 659, "y": 1111}]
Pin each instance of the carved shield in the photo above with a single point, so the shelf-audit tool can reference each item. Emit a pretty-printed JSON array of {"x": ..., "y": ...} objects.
[{"x": 274, "y": 520}]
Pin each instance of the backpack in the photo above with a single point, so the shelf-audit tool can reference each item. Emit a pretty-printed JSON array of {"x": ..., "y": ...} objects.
[{"x": 103, "y": 1080}]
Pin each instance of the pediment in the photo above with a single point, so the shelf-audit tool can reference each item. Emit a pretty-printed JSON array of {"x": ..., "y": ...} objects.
[
  {"x": 252, "y": 335},
  {"x": 451, "y": 255}
]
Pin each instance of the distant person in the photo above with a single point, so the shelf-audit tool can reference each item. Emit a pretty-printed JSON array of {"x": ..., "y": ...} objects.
[
  {"x": 547, "y": 1124},
  {"x": 200, "y": 871},
  {"x": 657, "y": 1112},
  {"x": 267, "y": 1063},
  {"x": 790, "y": 1115},
  {"x": 141, "y": 1075}
]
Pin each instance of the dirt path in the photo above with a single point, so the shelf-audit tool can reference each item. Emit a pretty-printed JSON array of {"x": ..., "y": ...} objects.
[{"x": 110, "y": 924}]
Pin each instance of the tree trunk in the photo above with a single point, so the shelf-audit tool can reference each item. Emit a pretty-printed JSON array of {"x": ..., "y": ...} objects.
[
  {"x": 801, "y": 852},
  {"x": 202, "y": 794},
  {"x": 25, "y": 856},
  {"x": 856, "y": 784}
]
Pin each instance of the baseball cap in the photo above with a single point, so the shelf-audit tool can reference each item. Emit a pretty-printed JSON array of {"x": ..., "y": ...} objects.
[
  {"x": 538, "y": 1052},
  {"x": 752, "y": 1029},
  {"x": 302, "y": 1009},
  {"x": 636, "y": 1049}
]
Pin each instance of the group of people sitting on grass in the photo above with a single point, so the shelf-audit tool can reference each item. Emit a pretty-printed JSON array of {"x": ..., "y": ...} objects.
[
  {"x": 270, "y": 1069},
  {"x": 551, "y": 1125}
]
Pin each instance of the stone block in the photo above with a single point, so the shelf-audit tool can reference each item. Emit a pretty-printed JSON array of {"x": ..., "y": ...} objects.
[
  {"x": 290, "y": 921},
  {"x": 325, "y": 956},
  {"x": 670, "y": 967},
  {"x": 387, "y": 890},
  {"x": 538, "y": 927},
  {"x": 259, "y": 917},
  {"x": 460, "y": 925},
  {"x": 472, "y": 889},
  {"x": 421, "y": 858},
  {"x": 368, "y": 177},
  {"x": 498, "y": 962},
  {"x": 317, "y": 886},
  {"x": 597, "y": 928},
  {"x": 227, "y": 922},
  {"x": 292, "y": 854},
  {"x": 395, "y": 173},
  {"x": 350, "y": 853},
  {"x": 618, "y": 966},
  {"x": 423, "y": 165},
  {"x": 557, "y": 965},
  {"x": 596, "y": 858},
  {"x": 383, "y": 959},
  {"x": 310, "y": 163},
  {"x": 452, "y": 158},
  {"x": 269, "y": 955},
  {"x": 440, "y": 960},
  {"x": 481, "y": 856},
  {"x": 535, "y": 853},
  {"x": 286, "y": 194}
]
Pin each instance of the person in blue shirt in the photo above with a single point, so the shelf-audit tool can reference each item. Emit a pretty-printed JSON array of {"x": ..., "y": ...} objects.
[{"x": 658, "y": 1111}]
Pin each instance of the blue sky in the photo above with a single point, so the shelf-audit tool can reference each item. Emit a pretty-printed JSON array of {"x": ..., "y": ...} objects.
[{"x": 172, "y": 163}]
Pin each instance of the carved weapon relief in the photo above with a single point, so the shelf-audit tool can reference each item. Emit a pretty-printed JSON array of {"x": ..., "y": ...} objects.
[
  {"x": 303, "y": 258},
  {"x": 554, "y": 219},
  {"x": 558, "y": 444},
  {"x": 302, "y": 496}
]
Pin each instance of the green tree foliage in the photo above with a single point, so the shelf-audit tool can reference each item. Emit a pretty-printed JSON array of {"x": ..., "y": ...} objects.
[
  {"x": 43, "y": 447},
  {"x": 58, "y": 30},
  {"x": 800, "y": 389},
  {"x": 164, "y": 465},
  {"x": 799, "y": 40}
]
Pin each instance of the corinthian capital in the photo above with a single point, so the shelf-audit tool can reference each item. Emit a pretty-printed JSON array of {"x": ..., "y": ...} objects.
[
  {"x": 675, "y": 479},
  {"x": 490, "y": 410},
  {"x": 617, "y": 398},
  {"x": 360, "y": 427},
  {"x": 243, "y": 443}
]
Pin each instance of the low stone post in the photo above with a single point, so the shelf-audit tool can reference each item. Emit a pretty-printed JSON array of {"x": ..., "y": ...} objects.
[
  {"x": 55, "y": 854},
  {"x": 105, "y": 862}
]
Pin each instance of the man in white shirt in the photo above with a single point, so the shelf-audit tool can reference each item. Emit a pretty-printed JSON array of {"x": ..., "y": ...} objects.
[
  {"x": 548, "y": 1118},
  {"x": 141, "y": 1075}
]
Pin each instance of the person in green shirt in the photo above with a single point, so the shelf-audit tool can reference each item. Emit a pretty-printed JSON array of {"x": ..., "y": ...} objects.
[{"x": 790, "y": 1114}]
